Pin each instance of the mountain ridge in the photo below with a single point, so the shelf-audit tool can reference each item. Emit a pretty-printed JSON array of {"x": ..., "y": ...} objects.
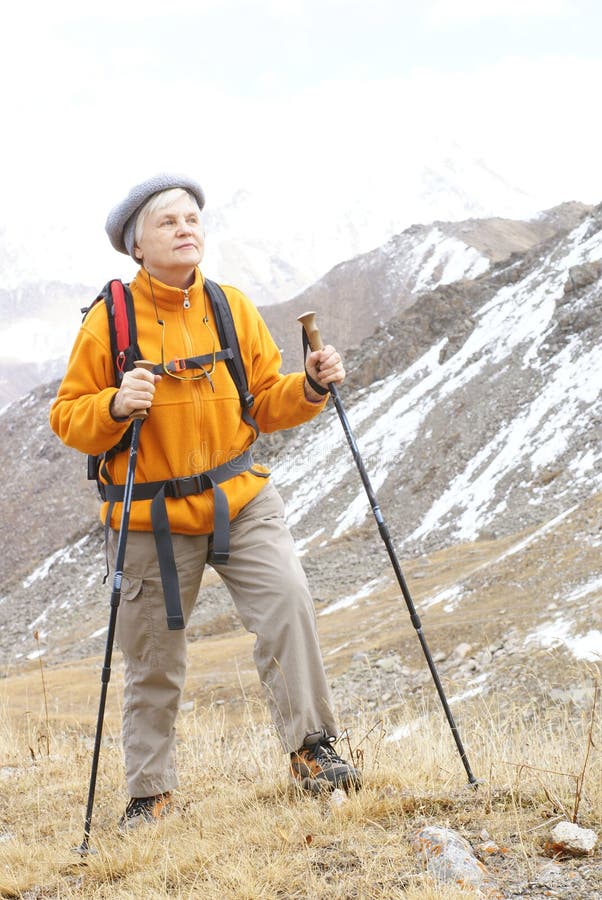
[
  {"x": 43, "y": 317},
  {"x": 374, "y": 287}
]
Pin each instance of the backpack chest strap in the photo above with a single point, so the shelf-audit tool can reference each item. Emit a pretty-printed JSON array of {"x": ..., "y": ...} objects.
[{"x": 194, "y": 362}]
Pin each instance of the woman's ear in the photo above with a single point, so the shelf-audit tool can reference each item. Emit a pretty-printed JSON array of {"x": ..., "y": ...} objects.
[{"x": 137, "y": 252}]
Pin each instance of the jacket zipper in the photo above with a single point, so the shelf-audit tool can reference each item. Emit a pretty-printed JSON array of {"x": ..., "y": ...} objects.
[{"x": 196, "y": 389}]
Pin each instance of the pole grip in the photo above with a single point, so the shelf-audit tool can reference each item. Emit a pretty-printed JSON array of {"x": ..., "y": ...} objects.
[
  {"x": 149, "y": 366},
  {"x": 308, "y": 320}
]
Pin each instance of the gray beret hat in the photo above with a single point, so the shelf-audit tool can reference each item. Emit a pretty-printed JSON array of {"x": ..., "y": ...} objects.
[{"x": 121, "y": 221}]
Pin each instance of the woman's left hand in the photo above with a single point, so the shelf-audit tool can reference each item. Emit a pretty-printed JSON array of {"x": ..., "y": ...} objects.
[{"x": 325, "y": 366}]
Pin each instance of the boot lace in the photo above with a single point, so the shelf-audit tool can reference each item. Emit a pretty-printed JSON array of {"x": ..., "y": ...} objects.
[
  {"x": 139, "y": 803},
  {"x": 324, "y": 751}
]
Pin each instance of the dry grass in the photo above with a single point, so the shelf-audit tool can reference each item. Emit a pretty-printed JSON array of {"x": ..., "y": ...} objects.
[{"x": 241, "y": 832}]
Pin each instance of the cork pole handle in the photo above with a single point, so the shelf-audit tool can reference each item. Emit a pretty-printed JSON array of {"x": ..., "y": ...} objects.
[
  {"x": 308, "y": 320},
  {"x": 149, "y": 366}
]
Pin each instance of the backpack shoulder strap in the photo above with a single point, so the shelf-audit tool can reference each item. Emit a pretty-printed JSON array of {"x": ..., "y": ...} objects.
[
  {"x": 122, "y": 326},
  {"x": 228, "y": 338},
  {"x": 123, "y": 336},
  {"x": 121, "y": 317}
]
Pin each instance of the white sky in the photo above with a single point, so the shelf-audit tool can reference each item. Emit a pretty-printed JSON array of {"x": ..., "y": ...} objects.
[{"x": 291, "y": 94}]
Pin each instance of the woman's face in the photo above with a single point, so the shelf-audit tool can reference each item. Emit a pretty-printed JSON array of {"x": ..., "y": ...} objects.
[{"x": 172, "y": 240}]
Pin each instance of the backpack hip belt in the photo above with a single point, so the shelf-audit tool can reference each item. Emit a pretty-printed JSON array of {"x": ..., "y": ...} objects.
[{"x": 186, "y": 486}]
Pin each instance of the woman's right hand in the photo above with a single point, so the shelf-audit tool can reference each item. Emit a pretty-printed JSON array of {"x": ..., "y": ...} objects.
[{"x": 135, "y": 393}]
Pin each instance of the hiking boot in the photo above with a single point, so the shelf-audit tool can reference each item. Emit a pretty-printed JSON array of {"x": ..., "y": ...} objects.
[
  {"x": 317, "y": 767},
  {"x": 145, "y": 809}
]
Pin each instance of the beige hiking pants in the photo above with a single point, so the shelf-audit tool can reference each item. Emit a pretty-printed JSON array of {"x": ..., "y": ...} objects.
[{"x": 270, "y": 591}]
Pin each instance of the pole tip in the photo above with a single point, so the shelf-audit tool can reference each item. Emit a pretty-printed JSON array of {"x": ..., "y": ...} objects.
[{"x": 84, "y": 849}]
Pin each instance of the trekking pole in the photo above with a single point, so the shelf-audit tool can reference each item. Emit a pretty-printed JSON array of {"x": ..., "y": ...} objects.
[
  {"x": 315, "y": 342},
  {"x": 138, "y": 419}
]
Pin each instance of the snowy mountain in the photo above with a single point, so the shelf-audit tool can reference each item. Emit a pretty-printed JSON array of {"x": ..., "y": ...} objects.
[
  {"x": 359, "y": 295},
  {"x": 276, "y": 244},
  {"x": 493, "y": 425}
]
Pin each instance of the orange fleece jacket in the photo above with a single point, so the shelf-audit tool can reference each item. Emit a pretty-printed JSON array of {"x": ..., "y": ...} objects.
[{"x": 189, "y": 428}]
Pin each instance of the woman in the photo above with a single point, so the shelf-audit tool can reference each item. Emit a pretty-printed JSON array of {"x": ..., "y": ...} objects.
[{"x": 195, "y": 424}]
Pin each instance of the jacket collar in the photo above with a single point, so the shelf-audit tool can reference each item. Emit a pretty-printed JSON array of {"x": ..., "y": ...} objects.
[{"x": 165, "y": 295}]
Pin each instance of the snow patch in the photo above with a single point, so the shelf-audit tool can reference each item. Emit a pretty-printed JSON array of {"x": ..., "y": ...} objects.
[
  {"x": 452, "y": 593},
  {"x": 301, "y": 546},
  {"x": 558, "y": 633},
  {"x": 366, "y": 591},
  {"x": 99, "y": 632},
  {"x": 591, "y": 587},
  {"x": 537, "y": 534},
  {"x": 64, "y": 555},
  {"x": 467, "y": 694},
  {"x": 441, "y": 260}
]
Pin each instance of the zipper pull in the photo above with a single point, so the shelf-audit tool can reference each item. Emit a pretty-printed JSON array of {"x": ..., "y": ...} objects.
[{"x": 186, "y": 303}]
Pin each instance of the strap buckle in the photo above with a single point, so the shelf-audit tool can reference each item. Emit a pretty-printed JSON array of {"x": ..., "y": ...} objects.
[{"x": 185, "y": 486}]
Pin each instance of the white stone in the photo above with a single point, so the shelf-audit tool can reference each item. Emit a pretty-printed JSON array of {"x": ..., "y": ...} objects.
[
  {"x": 450, "y": 858},
  {"x": 462, "y": 651},
  {"x": 338, "y": 798},
  {"x": 573, "y": 839},
  {"x": 486, "y": 849},
  {"x": 388, "y": 663}
]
